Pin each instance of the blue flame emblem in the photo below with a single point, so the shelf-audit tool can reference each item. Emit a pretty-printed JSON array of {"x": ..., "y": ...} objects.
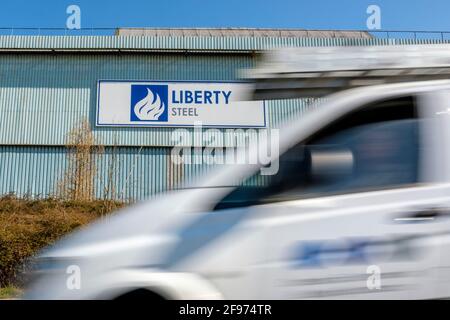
[{"x": 149, "y": 102}]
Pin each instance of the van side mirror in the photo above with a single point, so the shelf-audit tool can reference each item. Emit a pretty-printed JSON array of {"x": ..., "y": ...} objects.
[{"x": 330, "y": 162}]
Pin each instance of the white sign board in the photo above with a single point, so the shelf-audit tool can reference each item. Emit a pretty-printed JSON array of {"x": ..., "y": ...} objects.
[{"x": 177, "y": 104}]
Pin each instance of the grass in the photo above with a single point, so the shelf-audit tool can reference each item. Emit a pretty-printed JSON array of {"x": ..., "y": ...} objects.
[
  {"x": 10, "y": 292},
  {"x": 26, "y": 226}
]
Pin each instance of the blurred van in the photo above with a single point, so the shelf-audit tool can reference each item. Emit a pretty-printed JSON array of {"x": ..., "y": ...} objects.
[{"x": 359, "y": 207}]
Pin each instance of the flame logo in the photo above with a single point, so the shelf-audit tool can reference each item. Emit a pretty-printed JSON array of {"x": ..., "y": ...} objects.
[{"x": 149, "y": 108}]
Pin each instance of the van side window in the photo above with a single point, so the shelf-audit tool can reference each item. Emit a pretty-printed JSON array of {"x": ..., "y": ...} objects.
[{"x": 373, "y": 148}]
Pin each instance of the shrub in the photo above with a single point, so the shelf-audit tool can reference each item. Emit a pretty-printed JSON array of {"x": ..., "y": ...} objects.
[{"x": 26, "y": 226}]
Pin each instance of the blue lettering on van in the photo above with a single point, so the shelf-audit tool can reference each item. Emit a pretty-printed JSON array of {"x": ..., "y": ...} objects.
[{"x": 321, "y": 253}]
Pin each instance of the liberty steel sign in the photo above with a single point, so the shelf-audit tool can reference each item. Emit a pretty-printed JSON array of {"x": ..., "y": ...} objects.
[{"x": 177, "y": 104}]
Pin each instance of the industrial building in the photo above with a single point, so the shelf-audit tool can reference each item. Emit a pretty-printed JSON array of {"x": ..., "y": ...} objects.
[{"x": 49, "y": 84}]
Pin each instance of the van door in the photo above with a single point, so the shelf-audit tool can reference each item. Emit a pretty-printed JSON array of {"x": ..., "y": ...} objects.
[
  {"x": 436, "y": 107},
  {"x": 379, "y": 245},
  {"x": 369, "y": 232}
]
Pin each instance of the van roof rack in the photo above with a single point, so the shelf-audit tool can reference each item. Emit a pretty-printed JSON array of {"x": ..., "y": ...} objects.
[{"x": 318, "y": 71}]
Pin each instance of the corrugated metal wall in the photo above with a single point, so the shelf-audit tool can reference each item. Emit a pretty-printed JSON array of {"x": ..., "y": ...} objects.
[
  {"x": 36, "y": 171},
  {"x": 44, "y": 95},
  {"x": 183, "y": 43}
]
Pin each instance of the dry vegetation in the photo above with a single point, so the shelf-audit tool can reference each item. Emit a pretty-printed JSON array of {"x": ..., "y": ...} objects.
[
  {"x": 28, "y": 225},
  {"x": 82, "y": 154}
]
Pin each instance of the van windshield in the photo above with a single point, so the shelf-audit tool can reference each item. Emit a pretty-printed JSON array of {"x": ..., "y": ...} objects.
[{"x": 367, "y": 157}]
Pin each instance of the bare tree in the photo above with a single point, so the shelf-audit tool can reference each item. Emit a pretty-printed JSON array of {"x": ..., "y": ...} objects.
[{"x": 78, "y": 182}]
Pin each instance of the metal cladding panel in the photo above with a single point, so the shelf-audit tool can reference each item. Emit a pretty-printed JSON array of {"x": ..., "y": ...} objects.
[
  {"x": 44, "y": 95},
  {"x": 170, "y": 42},
  {"x": 134, "y": 173},
  {"x": 30, "y": 171},
  {"x": 122, "y": 173},
  {"x": 184, "y": 43}
]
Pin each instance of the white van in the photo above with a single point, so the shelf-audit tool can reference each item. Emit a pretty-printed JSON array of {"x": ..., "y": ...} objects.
[{"x": 359, "y": 208}]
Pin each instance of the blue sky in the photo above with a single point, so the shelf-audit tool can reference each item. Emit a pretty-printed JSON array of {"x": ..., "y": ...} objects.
[{"x": 311, "y": 14}]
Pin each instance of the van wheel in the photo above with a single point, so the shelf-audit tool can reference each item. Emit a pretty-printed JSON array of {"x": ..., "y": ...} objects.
[{"x": 141, "y": 295}]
